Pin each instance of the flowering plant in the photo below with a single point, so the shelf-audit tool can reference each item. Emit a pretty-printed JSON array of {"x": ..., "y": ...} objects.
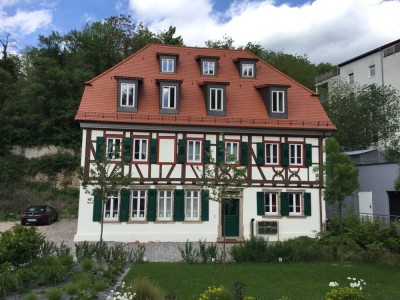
[
  {"x": 122, "y": 293},
  {"x": 354, "y": 292},
  {"x": 215, "y": 293}
]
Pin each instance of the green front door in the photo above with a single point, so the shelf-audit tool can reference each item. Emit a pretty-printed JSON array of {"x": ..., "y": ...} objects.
[{"x": 231, "y": 213}]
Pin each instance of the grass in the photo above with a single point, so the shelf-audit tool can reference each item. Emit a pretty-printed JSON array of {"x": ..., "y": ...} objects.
[{"x": 296, "y": 281}]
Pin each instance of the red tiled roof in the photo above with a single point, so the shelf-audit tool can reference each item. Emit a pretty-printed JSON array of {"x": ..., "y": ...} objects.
[{"x": 244, "y": 105}]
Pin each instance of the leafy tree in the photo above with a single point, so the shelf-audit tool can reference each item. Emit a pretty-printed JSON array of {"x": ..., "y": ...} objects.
[
  {"x": 167, "y": 37},
  {"x": 341, "y": 177},
  {"x": 365, "y": 115},
  {"x": 225, "y": 43},
  {"x": 224, "y": 180}
]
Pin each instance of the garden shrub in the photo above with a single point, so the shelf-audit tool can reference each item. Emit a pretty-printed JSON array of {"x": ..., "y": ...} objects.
[
  {"x": 54, "y": 294},
  {"x": 344, "y": 293},
  {"x": 208, "y": 252},
  {"x": 9, "y": 279},
  {"x": 30, "y": 296},
  {"x": 189, "y": 253},
  {"x": 253, "y": 249},
  {"x": 20, "y": 245},
  {"x": 49, "y": 270},
  {"x": 216, "y": 293},
  {"x": 145, "y": 289}
]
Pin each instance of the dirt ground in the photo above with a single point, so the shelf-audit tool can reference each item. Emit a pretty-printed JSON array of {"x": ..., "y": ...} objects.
[{"x": 60, "y": 231}]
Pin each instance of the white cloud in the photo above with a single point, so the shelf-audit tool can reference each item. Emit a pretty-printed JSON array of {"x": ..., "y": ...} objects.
[
  {"x": 326, "y": 30},
  {"x": 25, "y": 22}
]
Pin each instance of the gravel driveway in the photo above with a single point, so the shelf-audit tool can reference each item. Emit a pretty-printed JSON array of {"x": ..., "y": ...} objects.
[{"x": 60, "y": 231}]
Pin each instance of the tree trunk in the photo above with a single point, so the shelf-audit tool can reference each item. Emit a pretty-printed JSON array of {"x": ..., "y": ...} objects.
[
  {"x": 223, "y": 233},
  {"x": 103, "y": 203},
  {"x": 341, "y": 232}
]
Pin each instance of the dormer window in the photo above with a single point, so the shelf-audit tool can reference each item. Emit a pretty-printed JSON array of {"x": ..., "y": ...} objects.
[
  {"x": 246, "y": 67},
  {"x": 169, "y": 96},
  {"x": 208, "y": 65},
  {"x": 167, "y": 62},
  {"x": 275, "y": 99},
  {"x": 215, "y": 97},
  {"x": 127, "y": 96}
]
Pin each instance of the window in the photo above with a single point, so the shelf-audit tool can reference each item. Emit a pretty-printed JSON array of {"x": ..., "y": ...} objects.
[
  {"x": 138, "y": 207},
  {"x": 208, "y": 68},
  {"x": 193, "y": 154},
  {"x": 231, "y": 151},
  {"x": 169, "y": 97},
  {"x": 278, "y": 101},
  {"x": 168, "y": 65},
  {"x": 247, "y": 70},
  {"x": 216, "y": 99},
  {"x": 164, "y": 205},
  {"x": 351, "y": 78},
  {"x": 111, "y": 208},
  {"x": 372, "y": 71},
  {"x": 271, "y": 203},
  {"x": 127, "y": 95},
  {"x": 294, "y": 203},
  {"x": 271, "y": 154},
  {"x": 140, "y": 149},
  {"x": 296, "y": 154},
  {"x": 114, "y": 148},
  {"x": 192, "y": 205}
]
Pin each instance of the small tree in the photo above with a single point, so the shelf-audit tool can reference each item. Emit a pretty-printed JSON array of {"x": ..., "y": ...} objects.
[
  {"x": 224, "y": 179},
  {"x": 341, "y": 177},
  {"x": 104, "y": 179}
]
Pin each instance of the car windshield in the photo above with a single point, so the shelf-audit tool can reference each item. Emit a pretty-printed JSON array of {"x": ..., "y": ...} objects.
[{"x": 35, "y": 209}]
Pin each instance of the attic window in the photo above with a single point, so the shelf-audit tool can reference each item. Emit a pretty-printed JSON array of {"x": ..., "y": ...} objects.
[
  {"x": 275, "y": 99},
  {"x": 127, "y": 95},
  {"x": 169, "y": 96},
  {"x": 167, "y": 62},
  {"x": 246, "y": 67},
  {"x": 208, "y": 65},
  {"x": 215, "y": 97}
]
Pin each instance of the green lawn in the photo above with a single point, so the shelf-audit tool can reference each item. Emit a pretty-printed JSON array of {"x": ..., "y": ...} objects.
[{"x": 296, "y": 281}]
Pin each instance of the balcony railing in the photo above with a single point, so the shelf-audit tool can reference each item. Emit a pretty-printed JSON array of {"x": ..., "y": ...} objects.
[{"x": 327, "y": 75}]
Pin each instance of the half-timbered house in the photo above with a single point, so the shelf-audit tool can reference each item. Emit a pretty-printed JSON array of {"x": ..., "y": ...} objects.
[{"x": 163, "y": 109}]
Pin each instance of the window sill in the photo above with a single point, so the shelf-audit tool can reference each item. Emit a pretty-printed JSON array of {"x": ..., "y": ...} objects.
[
  {"x": 164, "y": 222},
  {"x": 137, "y": 222},
  {"x": 192, "y": 222},
  {"x": 296, "y": 217},
  {"x": 272, "y": 217}
]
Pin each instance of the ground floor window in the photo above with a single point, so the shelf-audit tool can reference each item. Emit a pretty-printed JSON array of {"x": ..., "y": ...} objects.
[
  {"x": 138, "y": 207},
  {"x": 192, "y": 205},
  {"x": 165, "y": 205},
  {"x": 111, "y": 208},
  {"x": 294, "y": 203}
]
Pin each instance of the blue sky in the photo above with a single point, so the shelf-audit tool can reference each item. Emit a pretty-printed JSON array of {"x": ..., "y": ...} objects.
[{"x": 326, "y": 30}]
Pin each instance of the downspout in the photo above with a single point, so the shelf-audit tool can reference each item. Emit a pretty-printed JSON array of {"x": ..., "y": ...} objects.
[
  {"x": 321, "y": 179},
  {"x": 383, "y": 78},
  {"x": 252, "y": 227}
]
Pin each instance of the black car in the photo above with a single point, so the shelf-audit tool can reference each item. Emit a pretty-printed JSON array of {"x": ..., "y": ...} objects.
[{"x": 39, "y": 214}]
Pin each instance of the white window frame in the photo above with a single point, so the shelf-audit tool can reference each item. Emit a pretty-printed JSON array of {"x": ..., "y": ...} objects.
[
  {"x": 295, "y": 204},
  {"x": 371, "y": 71},
  {"x": 112, "y": 153},
  {"x": 193, "y": 152},
  {"x": 269, "y": 198},
  {"x": 166, "y": 97},
  {"x": 167, "y": 65},
  {"x": 164, "y": 205},
  {"x": 192, "y": 205},
  {"x": 218, "y": 93},
  {"x": 247, "y": 69},
  {"x": 111, "y": 212},
  {"x": 296, "y": 154},
  {"x": 138, "y": 214},
  {"x": 271, "y": 156},
  {"x": 278, "y": 101},
  {"x": 127, "y": 89},
  {"x": 143, "y": 149},
  {"x": 230, "y": 151},
  {"x": 208, "y": 68},
  {"x": 351, "y": 78}
]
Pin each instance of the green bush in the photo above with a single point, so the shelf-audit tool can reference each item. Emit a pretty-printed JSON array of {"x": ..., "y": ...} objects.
[
  {"x": 146, "y": 289},
  {"x": 189, "y": 253},
  {"x": 216, "y": 293},
  {"x": 49, "y": 270},
  {"x": 254, "y": 249},
  {"x": 30, "y": 296},
  {"x": 20, "y": 245},
  {"x": 9, "y": 279},
  {"x": 54, "y": 294},
  {"x": 345, "y": 293},
  {"x": 53, "y": 163}
]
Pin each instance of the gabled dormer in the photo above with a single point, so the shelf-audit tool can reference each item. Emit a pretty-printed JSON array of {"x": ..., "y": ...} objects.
[
  {"x": 275, "y": 98},
  {"x": 215, "y": 97},
  {"x": 208, "y": 65},
  {"x": 127, "y": 94},
  {"x": 167, "y": 62},
  {"x": 246, "y": 66}
]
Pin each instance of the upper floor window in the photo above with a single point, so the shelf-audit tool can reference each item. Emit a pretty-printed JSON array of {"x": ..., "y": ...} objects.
[
  {"x": 167, "y": 65},
  {"x": 231, "y": 151},
  {"x": 192, "y": 204},
  {"x": 140, "y": 147},
  {"x": 194, "y": 151},
  {"x": 127, "y": 95},
  {"x": 138, "y": 205},
  {"x": 371, "y": 71},
  {"x": 208, "y": 68},
  {"x": 113, "y": 148},
  {"x": 247, "y": 70},
  {"x": 351, "y": 78},
  {"x": 168, "y": 97},
  {"x": 295, "y": 204},
  {"x": 271, "y": 153},
  {"x": 111, "y": 209},
  {"x": 296, "y": 154},
  {"x": 278, "y": 101},
  {"x": 164, "y": 206},
  {"x": 216, "y": 99}
]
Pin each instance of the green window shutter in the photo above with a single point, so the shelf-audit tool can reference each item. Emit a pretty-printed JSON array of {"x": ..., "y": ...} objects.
[
  {"x": 260, "y": 160},
  {"x": 284, "y": 154},
  {"x": 307, "y": 204},
  {"x": 205, "y": 197},
  {"x": 153, "y": 151},
  {"x": 243, "y": 153},
  {"x": 284, "y": 204},
  {"x": 97, "y": 206},
  {"x": 181, "y": 151},
  {"x": 179, "y": 206},
  {"x": 151, "y": 204},
  {"x": 260, "y": 204},
  {"x": 207, "y": 151},
  {"x": 308, "y": 161},
  {"x": 124, "y": 205},
  {"x": 100, "y": 148},
  {"x": 220, "y": 152},
  {"x": 127, "y": 149}
]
